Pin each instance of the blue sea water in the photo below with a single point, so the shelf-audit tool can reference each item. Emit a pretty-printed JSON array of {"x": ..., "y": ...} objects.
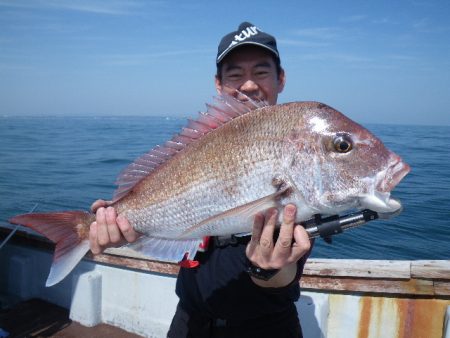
[{"x": 68, "y": 162}]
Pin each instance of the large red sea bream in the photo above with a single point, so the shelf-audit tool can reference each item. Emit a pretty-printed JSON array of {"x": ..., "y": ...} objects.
[{"x": 229, "y": 164}]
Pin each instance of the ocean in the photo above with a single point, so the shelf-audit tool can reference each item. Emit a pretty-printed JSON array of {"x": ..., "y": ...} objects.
[{"x": 61, "y": 163}]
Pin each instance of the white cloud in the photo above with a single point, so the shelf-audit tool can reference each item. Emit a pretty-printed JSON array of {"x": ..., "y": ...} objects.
[
  {"x": 14, "y": 67},
  {"x": 422, "y": 24},
  {"x": 383, "y": 21},
  {"x": 354, "y": 18},
  {"x": 142, "y": 58},
  {"x": 341, "y": 57},
  {"x": 112, "y": 7},
  {"x": 401, "y": 57},
  {"x": 323, "y": 33},
  {"x": 426, "y": 25},
  {"x": 302, "y": 43}
]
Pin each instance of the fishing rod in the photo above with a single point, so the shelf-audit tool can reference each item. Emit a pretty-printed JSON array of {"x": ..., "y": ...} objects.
[
  {"x": 336, "y": 224},
  {"x": 324, "y": 227}
]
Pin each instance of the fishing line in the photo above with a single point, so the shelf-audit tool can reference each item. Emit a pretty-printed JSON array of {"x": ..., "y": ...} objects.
[{"x": 15, "y": 229}]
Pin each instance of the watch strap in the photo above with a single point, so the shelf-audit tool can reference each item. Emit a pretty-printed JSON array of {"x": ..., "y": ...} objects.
[{"x": 260, "y": 273}]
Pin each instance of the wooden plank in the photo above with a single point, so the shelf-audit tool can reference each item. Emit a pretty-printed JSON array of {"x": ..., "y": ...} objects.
[
  {"x": 383, "y": 286},
  {"x": 125, "y": 252},
  {"x": 135, "y": 263},
  {"x": 435, "y": 269},
  {"x": 317, "y": 283},
  {"x": 358, "y": 268},
  {"x": 442, "y": 288}
]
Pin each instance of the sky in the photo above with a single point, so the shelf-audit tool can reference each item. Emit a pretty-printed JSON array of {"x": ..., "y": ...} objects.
[{"x": 382, "y": 61}]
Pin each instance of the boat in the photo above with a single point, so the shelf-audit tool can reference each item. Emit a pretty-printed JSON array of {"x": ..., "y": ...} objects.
[{"x": 341, "y": 298}]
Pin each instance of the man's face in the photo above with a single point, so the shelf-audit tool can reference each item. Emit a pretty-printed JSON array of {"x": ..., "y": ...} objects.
[{"x": 252, "y": 71}]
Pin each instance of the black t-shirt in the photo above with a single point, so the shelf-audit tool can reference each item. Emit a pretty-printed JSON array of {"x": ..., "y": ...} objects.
[{"x": 221, "y": 288}]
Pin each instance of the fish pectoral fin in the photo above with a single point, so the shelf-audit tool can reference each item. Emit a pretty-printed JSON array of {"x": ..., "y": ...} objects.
[
  {"x": 163, "y": 249},
  {"x": 244, "y": 211}
]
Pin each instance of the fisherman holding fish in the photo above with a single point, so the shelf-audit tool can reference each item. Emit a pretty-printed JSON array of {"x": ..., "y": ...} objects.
[
  {"x": 243, "y": 286},
  {"x": 222, "y": 198}
]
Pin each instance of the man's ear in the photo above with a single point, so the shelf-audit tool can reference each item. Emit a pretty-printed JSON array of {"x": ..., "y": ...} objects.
[
  {"x": 281, "y": 80},
  {"x": 218, "y": 84}
]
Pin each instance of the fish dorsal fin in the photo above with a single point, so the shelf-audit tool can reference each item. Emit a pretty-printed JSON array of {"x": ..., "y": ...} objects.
[{"x": 224, "y": 109}]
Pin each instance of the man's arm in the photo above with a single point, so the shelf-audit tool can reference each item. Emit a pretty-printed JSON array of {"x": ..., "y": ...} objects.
[{"x": 292, "y": 244}]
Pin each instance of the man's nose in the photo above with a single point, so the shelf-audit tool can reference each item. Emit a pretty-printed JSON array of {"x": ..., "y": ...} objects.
[{"x": 249, "y": 86}]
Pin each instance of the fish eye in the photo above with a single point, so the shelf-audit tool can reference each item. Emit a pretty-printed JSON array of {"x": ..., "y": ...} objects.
[{"x": 342, "y": 143}]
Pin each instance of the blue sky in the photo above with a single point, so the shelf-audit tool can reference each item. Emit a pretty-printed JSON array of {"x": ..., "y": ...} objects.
[{"x": 380, "y": 61}]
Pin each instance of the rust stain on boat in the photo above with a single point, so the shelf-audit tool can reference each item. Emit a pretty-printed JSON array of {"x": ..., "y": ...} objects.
[
  {"x": 364, "y": 321},
  {"x": 401, "y": 318},
  {"x": 405, "y": 310},
  {"x": 421, "y": 317}
]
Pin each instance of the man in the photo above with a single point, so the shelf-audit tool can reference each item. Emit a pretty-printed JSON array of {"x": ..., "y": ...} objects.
[{"x": 244, "y": 286}]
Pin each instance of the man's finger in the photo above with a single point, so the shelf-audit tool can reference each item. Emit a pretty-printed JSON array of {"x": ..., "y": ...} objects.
[
  {"x": 126, "y": 229},
  {"x": 266, "y": 240},
  {"x": 93, "y": 242},
  {"x": 301, "y": 245},
  {"x": 258, "y": 224},
  {"x": 98, "y": 204},
  {"x": 284, "y": 241},
  {"x": 113, "y": 229},
  {"x": 102, "y": 228}
]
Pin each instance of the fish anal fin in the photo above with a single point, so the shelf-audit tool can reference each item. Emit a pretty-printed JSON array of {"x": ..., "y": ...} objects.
[{"x": 162, "y": 249}]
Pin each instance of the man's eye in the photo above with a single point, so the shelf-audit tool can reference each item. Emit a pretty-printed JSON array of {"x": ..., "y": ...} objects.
[
  {"x": 262, "y": 73},
  {"x": 234, "y": 76}
]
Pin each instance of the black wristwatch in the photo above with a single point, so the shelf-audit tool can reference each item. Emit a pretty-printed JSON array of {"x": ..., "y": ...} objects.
[{"x": 259, "y": 273}]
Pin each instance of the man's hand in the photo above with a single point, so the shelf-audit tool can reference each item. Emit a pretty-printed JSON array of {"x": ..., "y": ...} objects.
[
  {"x": 109, "y": 229},
  {"x": 284, "y": 253}
]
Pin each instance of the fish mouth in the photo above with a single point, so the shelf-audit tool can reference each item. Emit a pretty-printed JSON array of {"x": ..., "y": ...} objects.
[
  {"x": 394, "y": 174},
  {"x": 381, "y": 202}
]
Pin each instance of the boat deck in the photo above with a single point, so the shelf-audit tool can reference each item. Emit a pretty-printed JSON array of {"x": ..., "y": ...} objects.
[{"x": 38, "y": 318}]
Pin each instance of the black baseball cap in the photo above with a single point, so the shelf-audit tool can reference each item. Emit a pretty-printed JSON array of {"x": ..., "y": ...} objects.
[{"x": 246, "y": 34}]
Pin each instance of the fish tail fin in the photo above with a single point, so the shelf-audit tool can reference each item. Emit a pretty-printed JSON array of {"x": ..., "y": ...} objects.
[{"x": 69, "y": 230}]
